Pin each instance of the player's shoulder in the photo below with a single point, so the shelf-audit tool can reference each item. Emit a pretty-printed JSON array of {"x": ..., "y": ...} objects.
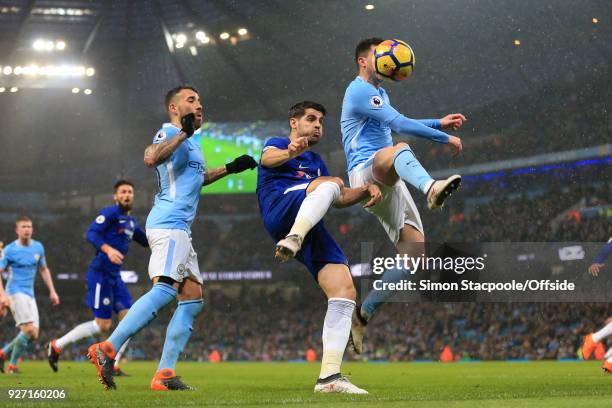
[
  {"x": 167, "y": 131},
  {"x": 358, "y": 87},
  {"x": 10, "y": 247},
  {"x": 106, "y": 213},
  {"x": 281, "y": 142},
  {"x": 37, "y": 245}
]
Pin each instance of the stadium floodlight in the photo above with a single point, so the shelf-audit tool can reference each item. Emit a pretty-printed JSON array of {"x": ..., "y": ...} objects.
[
  {"x": 180, "y": 45},
  {"x": 38, "y": 45},
  {"x": 90, "y": 72},
  {"x": 243, "y": 31},
  {"x": 224, "y": 36},
  {"x": 60, "y": 45},
  {"x": 181, "y": 38},
  {"x": 369, "y": 7},
  {"x": 49, "y": 45},
  {"x": 14, "y": 89},
  {"x": 193, "y": 50},
  {"x": 205, "y": 40},
  {"x": 200, "y": 35},
  {"x": 75, "y": 90},
  {"x": 517, "y": 42},
  {"x": 7, "y": 70},
  {"x": 87, "y": 91},
  {"x": 2, "y": 89},
  {"x": 595, "y": 20},
  {"x": 17, "y": 70}
]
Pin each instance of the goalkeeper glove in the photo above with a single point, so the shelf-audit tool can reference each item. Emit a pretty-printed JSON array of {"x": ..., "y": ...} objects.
[
  {"x": 241, "y": 164},
  {"x": 188, "y": 123}
]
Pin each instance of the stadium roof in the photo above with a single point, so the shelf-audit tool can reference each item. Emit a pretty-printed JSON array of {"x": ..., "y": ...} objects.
[{"x": 291, "y": 50}]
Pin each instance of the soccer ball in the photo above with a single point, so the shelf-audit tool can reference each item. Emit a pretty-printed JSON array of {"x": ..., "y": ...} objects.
[{"x": 393, "y": 59}]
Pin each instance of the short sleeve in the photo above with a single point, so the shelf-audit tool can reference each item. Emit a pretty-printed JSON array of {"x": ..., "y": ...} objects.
[
  {"x": 276, "y": 143},
  {"x": 165, "y": 133},
  {"x": 366, "y": 101},
  {"x": 42, "y": 262}
]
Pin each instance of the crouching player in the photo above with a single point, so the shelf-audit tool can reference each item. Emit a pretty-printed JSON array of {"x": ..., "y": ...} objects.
[{"x": 295, "y": 191}]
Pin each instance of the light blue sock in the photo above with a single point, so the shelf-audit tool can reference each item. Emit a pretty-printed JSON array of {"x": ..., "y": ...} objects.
[
  {"x": 9, "y": 346},
  {"x": 178, "y": 332},
  {"x": 377, "y": 298},
  {"x": 20, "y": 345},
  {"x": 142, "y": 313},
  {"x": 409, "y": 169}
]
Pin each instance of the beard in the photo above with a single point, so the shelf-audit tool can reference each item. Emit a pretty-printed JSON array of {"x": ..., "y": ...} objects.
[{"x": 125, "y": 207}]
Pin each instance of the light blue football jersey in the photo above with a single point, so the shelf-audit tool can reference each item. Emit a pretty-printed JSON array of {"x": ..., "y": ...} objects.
[
  {"x": 366, "y": 114},
  {"x": 22, "y": 263},
  {"x": 180, "y": 179}
]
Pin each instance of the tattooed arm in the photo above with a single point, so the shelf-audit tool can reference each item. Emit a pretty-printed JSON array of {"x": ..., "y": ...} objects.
[{"x": 159, "y": 153}]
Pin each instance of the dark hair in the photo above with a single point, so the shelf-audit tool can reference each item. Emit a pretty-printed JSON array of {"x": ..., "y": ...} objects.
[
  {"x": 172, "y": 93},
  {"x": 364, "y": 46},
  {"x": 22, "y": 218},
  {"x": 299, "y": 109},
  {"x": 123, "y": 182}
]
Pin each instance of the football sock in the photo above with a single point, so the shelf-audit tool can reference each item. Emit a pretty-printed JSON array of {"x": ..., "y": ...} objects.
[
  {"x": 120, "y": 352},
  {"x": 603, "y": 333},
  {"x": 80, "y": 332},
  {"x": 409, "y": 169},
  {"x": 336, "y": 330},
  {"x": 21, "y": 344},
  {"x": 6, "y": 350},
  {"x": 377, "y": 298},
  {"x": 142, "y": 313},
  {"x": 608, "y": 355},
  {"x": 178, "y": 332},
  {"x": 314, "y": 207}
]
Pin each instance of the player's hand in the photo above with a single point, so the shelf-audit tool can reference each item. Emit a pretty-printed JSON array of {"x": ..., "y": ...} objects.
[
  {"x": 54, "y": 298},
  {"x": 452, "y": 121},
  {"x": 595, "y": 268},
  {"x": 297, "y": 147},
  {"x": 375, "y": 195},
  {"x": 240, "y": 164},
  {"x": 455, "y": 144},
  {"x": 114, "y": 256},
  {"x": 188, "y": 124}
]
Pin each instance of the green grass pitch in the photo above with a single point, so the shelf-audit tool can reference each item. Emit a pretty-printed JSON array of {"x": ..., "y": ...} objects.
[
  {"x": 219, "y": 152},
  {"x": 490, "y": 384}
]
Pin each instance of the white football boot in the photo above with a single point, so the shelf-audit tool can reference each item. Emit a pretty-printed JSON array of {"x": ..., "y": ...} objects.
[
  {"x": 440, "y": 190},
  {"x": 337, "y": 383},
  {"x": 287, "y": 247}
]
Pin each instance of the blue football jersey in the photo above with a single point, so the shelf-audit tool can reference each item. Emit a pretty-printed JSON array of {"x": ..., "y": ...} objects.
[
  {"x": 366, "y": 114},
  {"x": 22, "y": 262},
  {"x": 180, "y": 181},
  {"x": 294, "y": 174},
  {"x": 117, "y": 229}
]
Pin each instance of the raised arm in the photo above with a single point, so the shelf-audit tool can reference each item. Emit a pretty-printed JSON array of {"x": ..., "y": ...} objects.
[
  {"x": 274, "y": 157},
  {"x": 161, "y": 150}
]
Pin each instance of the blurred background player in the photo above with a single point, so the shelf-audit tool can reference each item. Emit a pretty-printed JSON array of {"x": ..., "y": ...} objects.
[
  {"x": 366, "y": 122},
  {"x": 173, "y": 267},
  {"x": 593, "y": 341},
  {"x": 110, "y": 234},
  {"x": 22, "y": 258},
  {"x": 295, "y": 191}
]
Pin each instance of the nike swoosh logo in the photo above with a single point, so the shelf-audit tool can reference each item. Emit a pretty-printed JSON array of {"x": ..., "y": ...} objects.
[
  {"x": 302, "y": 168},
  {"x": 122, "y": 221}
]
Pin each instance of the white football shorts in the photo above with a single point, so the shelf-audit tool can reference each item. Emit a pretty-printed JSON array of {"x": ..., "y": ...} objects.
[
  {"x": 24, "y": 309},
  {"x": 395, "y": 209},
  {"x": 172, "y": 255}
]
